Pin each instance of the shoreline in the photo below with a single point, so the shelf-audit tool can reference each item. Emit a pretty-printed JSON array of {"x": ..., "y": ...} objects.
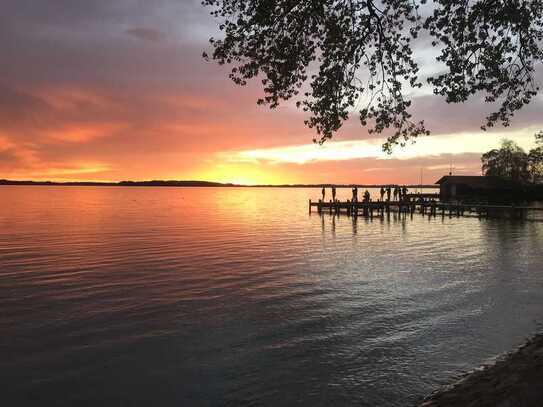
[{"x": 515, "y": 379}]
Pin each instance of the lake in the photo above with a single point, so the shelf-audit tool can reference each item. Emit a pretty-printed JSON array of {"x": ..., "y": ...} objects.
[{"x": 237, "y": 296}]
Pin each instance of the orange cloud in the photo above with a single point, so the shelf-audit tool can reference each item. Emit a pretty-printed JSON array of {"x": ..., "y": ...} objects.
[
  {"x": 62, "y": 171},
  {"x": 75, "y": 133},
  {"x": 74, "y": 98},
  {"x": 5, "y": 144}
]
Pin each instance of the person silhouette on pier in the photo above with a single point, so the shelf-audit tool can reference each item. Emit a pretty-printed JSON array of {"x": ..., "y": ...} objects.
[
  {"x": 382, "y": 192},
  {"x": 355, "y": 194},
  {"x": 333, "y": 194},
  {"x": 388, "y": 193},
  {"x": 366, "y": 196},
  {"x": 323, "y": 193},
  {"x": 395, "y": 193}
]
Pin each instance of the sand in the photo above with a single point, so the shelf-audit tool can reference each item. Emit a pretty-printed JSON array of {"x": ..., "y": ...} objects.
[{"x": 514, "y": 380}]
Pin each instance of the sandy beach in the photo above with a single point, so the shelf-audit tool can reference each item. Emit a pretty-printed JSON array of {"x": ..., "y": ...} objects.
[{"x": 514, "y": 380}]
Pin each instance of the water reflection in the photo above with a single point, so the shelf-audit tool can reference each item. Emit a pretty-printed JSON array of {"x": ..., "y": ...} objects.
[
  {"x": 385, "y": 218},
  {"x": 150, "y": 296}
]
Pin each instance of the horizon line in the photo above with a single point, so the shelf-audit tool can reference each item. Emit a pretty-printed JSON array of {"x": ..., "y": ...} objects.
[{"x": 197, "y": 183}]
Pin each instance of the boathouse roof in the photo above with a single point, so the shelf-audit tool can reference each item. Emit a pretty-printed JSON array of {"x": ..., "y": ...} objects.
[{"x": 476, "y": 181}]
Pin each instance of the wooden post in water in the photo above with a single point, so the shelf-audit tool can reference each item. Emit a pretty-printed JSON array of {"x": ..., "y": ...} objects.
[{"x": 310, "y": 206}]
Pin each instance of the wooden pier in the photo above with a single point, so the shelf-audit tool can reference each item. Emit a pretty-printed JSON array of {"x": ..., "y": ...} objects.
[{"x": 372, "y": 209}]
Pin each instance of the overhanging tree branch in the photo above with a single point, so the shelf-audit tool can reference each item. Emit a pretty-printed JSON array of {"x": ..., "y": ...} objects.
[{"x": 488, "y": 47}]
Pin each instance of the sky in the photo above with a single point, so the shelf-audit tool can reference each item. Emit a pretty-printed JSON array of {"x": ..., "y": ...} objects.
[{"x": 118, "y": 90}]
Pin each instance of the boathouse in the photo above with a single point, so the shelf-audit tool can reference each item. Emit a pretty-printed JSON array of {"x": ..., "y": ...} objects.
[{"x": 463, "y": 188}]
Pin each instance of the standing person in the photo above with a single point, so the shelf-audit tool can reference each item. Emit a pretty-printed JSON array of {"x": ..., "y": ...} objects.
[
  {"x": 323, "y": 193},
  {"x": 388, "y": 193},
  {"x": 404, "y": 192},
  {"x": 355, "y": 194},
  {"x": 366, "y": 196},
  {"x": 382, "y": 192},
  {"x": 334, "y": 193},
  {"x": 395, "y": 193}
]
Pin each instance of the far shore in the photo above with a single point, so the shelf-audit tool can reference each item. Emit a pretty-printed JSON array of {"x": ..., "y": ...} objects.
[
  {"x": 176, "y": 183},
  {"x": 514, "y": 380}
]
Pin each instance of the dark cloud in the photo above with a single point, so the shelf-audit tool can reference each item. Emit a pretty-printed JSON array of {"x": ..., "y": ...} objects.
[
  {"x": 444, "y": 118},
  {"x": 145, "y": 34},
  {"x": 66, "y": 13},
  {"x": 8, "y": 159},
  {"x": 17, "y": 107}
]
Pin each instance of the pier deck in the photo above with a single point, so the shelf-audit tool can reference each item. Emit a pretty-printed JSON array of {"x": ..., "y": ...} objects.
[{"x": 431, "y": 208}]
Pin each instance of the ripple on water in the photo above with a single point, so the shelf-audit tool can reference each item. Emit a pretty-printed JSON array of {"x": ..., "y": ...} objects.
[{"x": 238, "y": 296}]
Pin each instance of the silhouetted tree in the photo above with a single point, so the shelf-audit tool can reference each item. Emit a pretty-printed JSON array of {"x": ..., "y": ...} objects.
[
  {"x": 535, "y": 159},
  {"x": 331, "y": 54},
  {"x": 508, "y": 162}
]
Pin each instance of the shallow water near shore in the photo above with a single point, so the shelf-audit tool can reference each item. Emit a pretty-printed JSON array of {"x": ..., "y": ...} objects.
[{"x": 237, "y": 296}]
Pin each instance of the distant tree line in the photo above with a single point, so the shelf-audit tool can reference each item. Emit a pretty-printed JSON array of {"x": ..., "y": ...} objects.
[{"x": 511, "y": 162}]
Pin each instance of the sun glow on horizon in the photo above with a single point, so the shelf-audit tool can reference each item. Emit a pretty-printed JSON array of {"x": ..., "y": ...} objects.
[{"x": 245, "y": 174}]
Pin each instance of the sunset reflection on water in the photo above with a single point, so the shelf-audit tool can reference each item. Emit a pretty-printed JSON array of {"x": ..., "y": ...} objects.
[{"x": 228, "y": 296}]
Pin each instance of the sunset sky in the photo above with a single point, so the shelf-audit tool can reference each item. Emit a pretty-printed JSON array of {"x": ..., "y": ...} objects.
[{"x": 117, "y": 90}]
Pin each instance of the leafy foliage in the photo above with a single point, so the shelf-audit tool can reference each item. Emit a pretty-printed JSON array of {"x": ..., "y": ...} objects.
[
  {"x": 333, "y": 55},
  {"x": 535, "y": 159},
  {"x": 511, "y": 162},
  {"x": 491, "y": 47}
]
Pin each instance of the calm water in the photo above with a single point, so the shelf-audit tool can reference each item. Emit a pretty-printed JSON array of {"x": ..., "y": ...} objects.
[{"x": 212, "y": 297}]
